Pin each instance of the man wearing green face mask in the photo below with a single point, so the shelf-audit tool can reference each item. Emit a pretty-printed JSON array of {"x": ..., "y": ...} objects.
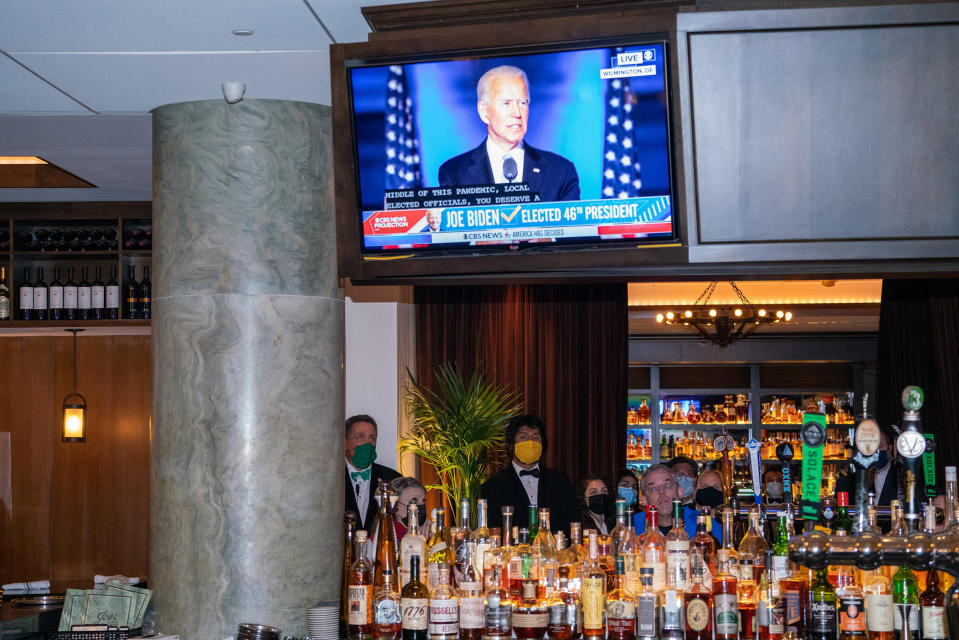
[
  {"x": 526, "y": 481},
  {"x": 362, "y": 474}
]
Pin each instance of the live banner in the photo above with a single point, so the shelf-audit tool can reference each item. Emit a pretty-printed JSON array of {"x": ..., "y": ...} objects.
[{"x": 813, "y": 437}]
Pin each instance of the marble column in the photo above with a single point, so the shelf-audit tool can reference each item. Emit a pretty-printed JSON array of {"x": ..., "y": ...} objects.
[{"x": 246, "y": 471}]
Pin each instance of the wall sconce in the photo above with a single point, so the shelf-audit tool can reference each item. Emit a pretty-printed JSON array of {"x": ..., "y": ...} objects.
[{"x": 74, "y": 406}]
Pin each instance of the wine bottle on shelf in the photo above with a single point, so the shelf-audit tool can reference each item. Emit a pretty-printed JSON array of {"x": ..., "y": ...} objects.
[
  {"x": 4, "y": 295},
  {"x": 83, "y": 295},
  {"x": 70, "y": 296},
  {"x": 131, "y": 308},
  {"x": 113, "y": 295},
  {"x": 56, "y": 296},
  {"x": 97, "y": 296},
  {"x": 40, "y": 296},
  {"x": 144, "y": 295}
]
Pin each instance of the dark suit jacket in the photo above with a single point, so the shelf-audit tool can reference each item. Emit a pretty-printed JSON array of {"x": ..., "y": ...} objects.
[
  {"x": 555, "y": 493},
  {"x": 378, "y": 473},
  {"x": 549, "y": 174}
]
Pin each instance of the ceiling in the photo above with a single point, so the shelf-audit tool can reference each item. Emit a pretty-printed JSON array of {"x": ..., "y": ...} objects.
[{"x": 78, "y": 79}]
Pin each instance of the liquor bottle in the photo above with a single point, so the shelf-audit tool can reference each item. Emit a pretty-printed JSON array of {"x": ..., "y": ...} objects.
[
  {"x": 40, "y": 296},
  {"x": 533, "y": 523},
  {"x": 414, "y": 604},
  {"x": 725, "y": 610},
  {"x": 621, "y": 607},
  {"x": 481, "y": 538},
  {"x": 113, "y": 295},
  {"x": 412, "y": 544},
  {"x": 772, "y": 608},
  {"x": 83, "y": 297},
  {"x": 620, "y": 530},
  {"x": 145, "y": 295},
  {"x": 543, "y": 549},
  {"x": 444, "y": 608},
  {"x": 521, "y": 560},
  {"x": 795, "y": 591},
  {"x": 56, "y": 296},
  {"x": 822, "y": 623},
  {"x": 70, "y": 296},
  {"x": 460, "y": 536},
  {"x": 360, "y": 605},
  {"x": 663, "y": 449},
  {"x": 438, "y": 548},
  {"x": 386, "y": 611},
  {"x": 631, "y": 549},
  {"x": 698, "y": 603},
  {"x": 606, "y": 561},
  {"x": 643, "y": 412},
  {"x": 880, "y": 609},
  {"x": 530, "y": 616},
  {"x": 647, "y": 607},
  {"x": 470, "y": 591},
  {"x": 704, "y": 544},
  {"x": 349, "y": 524},
  {"x": 933, "y": 603},
  {"x": 594, "y": 593},
  {"x": 498, "y": 606},
  {"x": 752, "y": 549},
  {"x": 130, "y": 309},
  {"x": 677, "y": 552},
  {"x": 97, "y": 296},
  {"x": 565, "y": 615},
  {"x": 384, "y": 565},
  {"x": 852, "y": 611},
  {"x": 843, "y": 521},
  {"x": 905, "y": 599},
  {"x": 672, "y": 626},
  {"x": 747, "y": 602},
  {"x": 4, "y": 295},
  {"x": 781, "y": 569},
  {"x": 632, "y": 416},
  {"x": 566, "y": 558},
  {"x": 654, "y": 549}
]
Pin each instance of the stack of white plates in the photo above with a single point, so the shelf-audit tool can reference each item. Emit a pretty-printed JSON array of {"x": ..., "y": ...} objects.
[{"x": 323, "y": 621}]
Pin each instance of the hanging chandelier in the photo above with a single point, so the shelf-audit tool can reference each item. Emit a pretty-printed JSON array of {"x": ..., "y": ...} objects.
[{"x": 723, "y": 324}]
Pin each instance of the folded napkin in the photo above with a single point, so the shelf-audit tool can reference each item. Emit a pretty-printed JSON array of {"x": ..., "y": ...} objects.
[
  {"x": 98, "y": 579},
  {"x": 27, "y": 586}
]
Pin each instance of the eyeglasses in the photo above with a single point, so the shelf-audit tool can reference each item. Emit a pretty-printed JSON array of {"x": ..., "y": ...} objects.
[{"x": 655, "y": 489}]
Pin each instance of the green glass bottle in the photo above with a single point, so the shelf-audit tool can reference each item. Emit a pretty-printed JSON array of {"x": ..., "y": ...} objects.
[
  {"x": 822, "y": 622},
  {"x": 781, "y": 550},
  {"x": 843, "y": 521},
  {"x": 905, "y": 600},
  {"x": 533, "y": 522}
]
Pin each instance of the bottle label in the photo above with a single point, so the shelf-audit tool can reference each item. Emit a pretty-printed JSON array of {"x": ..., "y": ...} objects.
[
  {"x": 632, "y": 563},
  {"x": 659, "y": 574},
  {"x": 56, "y": 297},
  {"x": 726, "y": 611},
  {"x": 593, "y": 602},
  {"x": 823, "y": 617},
  {"x": 933, "y": 622},
  {"x": 471, "y": 613},
  {"x": 646, "y": 616},
  {"x": 40, "y": 298},
  {"x": 677, "y": 564},
  {"x": 879, "y": 612},
  {"x": 780, "y": 568},
  {"x": 26, "y": 297},
  {"x": 777, "y": 617},
  {"x": 4, "y": 306},
  {"x": 479, "y": 555},
  {"x": 851, "y": 614},
  {"x": 530, "y": 620},
  {"x": 433, "y": 575},
  {"x": 697, "y": 614},
  {"x": 793, "y": 609},
  {"x": 444, "y": 618},
  {"x": 909, "y": 613},
  {"x": 386, "y": 612},
  {"x": 360, "y": 605},
  {"x": 113, "y": 297},
  {"x": 83, "y": 297},
  {"x": 69, "y": 297},
  {"x": 498, "y": 615},
  {"x": 96, "y": 297},
  {"x": 672, "y": 606},
  {"x": 414, "y": 613},
  {"x": 563, "y": 616}
]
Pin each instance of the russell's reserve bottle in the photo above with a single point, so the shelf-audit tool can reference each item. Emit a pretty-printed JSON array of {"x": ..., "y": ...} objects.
[
  {"x": 414, "y": 604},
  {"x": 360, "y": 598},
  {"x": 444, "y": 621}
]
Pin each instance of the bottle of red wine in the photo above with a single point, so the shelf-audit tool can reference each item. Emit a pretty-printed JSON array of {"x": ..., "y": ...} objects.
[
  {"x": 83, "y": 295},
  {"x": 130, "y": 293},
  {"x": 40, "y": 296},
  {"x": 113, "y": 295},
  {"x": 145, "y": 294},
  {"x": 56, "y": 296},
  {"x": 70, "y": 297},
  {"x": 97, "y": 296},
  {"x": 26, "y": 296}
]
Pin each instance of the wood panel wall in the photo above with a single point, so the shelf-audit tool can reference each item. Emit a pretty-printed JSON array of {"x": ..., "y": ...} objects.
[{"x": 75, "y": 510}]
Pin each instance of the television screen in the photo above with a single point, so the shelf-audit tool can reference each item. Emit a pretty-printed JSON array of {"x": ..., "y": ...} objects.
[{"x": 557, "y": 147}]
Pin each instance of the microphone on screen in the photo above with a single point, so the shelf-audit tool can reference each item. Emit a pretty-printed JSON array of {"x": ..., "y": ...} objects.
[{"x": 509, "y": 168}]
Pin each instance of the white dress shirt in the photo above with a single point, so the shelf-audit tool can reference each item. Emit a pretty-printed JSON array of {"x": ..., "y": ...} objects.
[
  {"x": 361, "y": 489},
  {"x": 880, "y": 480},
  {"x": 530, "y": 483},
  {"x": 497, "y": 156}
]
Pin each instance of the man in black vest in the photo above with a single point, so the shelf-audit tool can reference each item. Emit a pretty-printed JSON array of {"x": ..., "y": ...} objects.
[
  {"x": 526, "y": 481},
  {"x": 362, "y": 474}
]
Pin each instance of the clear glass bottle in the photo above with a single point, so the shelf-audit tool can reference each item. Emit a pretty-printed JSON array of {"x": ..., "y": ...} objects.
[
  {"x": 414, "y": 604},
  {"x": 412, "y": 544},
  {"x": 472, "y": 618},
  {"x": 594, "y": 593},
  {"x": 480, "y": 538},
  {"x": 880, "y": 610},
  {"x": 530, "y": 617},
  {"x": 704, "y": 544},
  {"x": 443, "y": 623},
  {"x": 498, "y": 605},
  {"x": 360, "y": 596},
  {"x": 671, "y": 623},
  {"x": 438, "y": 548},
  {"x": 621, "y": 607},
  {"x": 772, "y": 608},
  {"x": 698, "y": 603},
  {"x": 647, "y": 607},
  {"x": 677, "y": 552},
  {"x": 565, "y": 613},
  {"x": 460, "y": 536},
  {"x": 620, "y": 530},
  {"x": 654, "y": 549},
  {"x": 752, "y": 550},
  {"x": 386, "y": 612}
]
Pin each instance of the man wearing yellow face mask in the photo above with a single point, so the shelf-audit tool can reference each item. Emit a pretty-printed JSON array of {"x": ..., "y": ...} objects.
[
  {"x": 362, "y": 474},
  {"x": 526, "y": 481}
]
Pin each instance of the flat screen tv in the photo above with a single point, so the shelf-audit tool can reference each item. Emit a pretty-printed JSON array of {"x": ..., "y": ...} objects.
[{"x": 534, "y": 148}]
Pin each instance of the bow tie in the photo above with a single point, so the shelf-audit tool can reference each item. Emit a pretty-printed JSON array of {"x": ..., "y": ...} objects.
[
  {"x": 357, "y": 475},
  {"x": 529, "y": 472}
]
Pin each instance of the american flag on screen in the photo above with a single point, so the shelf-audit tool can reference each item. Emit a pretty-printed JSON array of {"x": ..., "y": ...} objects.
[
  {"x": 402, "y": 143},
  {"x": 620, "y": 165}
]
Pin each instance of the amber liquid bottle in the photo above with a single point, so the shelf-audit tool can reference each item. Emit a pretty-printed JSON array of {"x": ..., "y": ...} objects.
[
  {"x": 385, "y": 567},
  {"x": 349, "y": 524},
  {"x": 725, "y": 604},
  {"x": 705, "y": 545},
  {"x": 698, "y": 604},
  {"x": 933, "y": 604},
  {"x": 621, "y": 607},
  {"x": 530, "y": 617},
  {"x": 594, "y": 593},
  {"x": 360, "y": 597}
]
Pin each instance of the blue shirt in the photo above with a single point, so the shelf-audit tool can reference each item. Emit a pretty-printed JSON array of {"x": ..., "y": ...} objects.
[{"x": 689, "y": 523}]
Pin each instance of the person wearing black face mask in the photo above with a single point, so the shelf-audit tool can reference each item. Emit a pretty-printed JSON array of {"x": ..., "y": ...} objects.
[
  {"x": 407, "y": 490},
  {"x": 597, "y": 504},
  {"x": 709, "y": 495}
]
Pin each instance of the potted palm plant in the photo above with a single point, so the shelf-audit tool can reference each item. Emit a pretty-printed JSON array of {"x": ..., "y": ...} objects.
[{"x": 458, "y": 427}]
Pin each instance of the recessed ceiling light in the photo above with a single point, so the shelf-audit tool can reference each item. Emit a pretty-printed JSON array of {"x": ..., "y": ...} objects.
[
  {"x": 21, "y": 160},
  {"x": 243, "y": 32}
]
